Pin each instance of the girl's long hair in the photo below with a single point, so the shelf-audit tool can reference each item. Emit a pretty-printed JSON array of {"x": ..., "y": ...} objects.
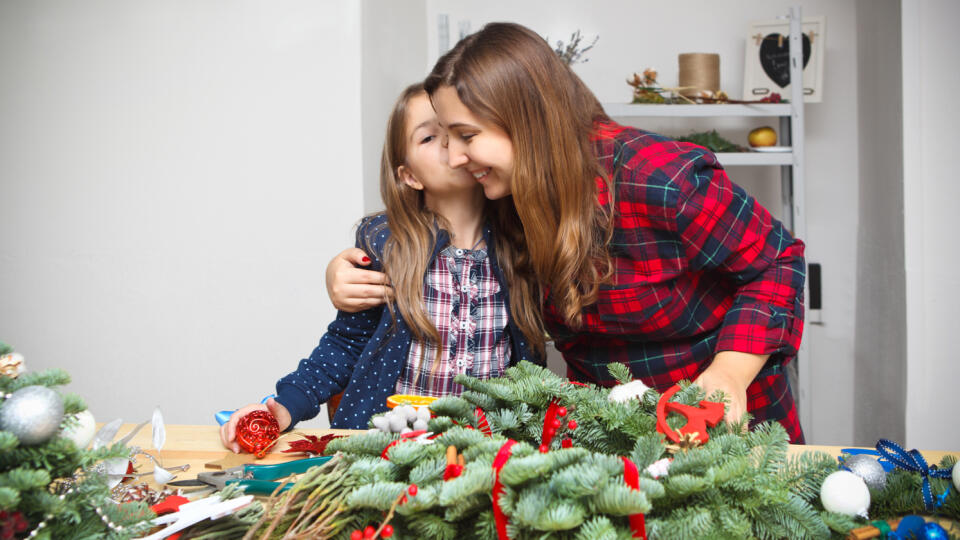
[
  {"x": 508, "y": 75},
  {"x": 413, "y": 235}
]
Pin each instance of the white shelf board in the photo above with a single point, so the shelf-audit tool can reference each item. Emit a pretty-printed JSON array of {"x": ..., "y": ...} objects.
[
  {"x": 755, "y": 158},
  {"x": 641, "y": 110}
]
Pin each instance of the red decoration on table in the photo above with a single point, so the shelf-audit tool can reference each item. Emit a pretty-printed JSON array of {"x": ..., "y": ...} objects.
[
  {"x": 709, "y": 413},
  {"x": 170, "y": 504},
  {"x": 550, "y": 424},
  {"x": 312, "y": 444},
  {"x": 257, "y": 431},
  {"x": 12, "y": 524},
  {"x": 631, "y": 477}
]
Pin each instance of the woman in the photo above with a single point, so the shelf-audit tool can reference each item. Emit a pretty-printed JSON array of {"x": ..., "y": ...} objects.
[{"x": 646, "y": 252}]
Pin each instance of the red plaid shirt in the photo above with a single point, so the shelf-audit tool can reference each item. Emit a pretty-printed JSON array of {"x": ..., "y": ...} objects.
[{"x": 700, "y": 267}]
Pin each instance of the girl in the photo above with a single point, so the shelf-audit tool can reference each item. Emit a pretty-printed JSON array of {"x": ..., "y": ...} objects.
[
  {"x": 440, "y": 244},
  {"x": 647, "y": 253}
]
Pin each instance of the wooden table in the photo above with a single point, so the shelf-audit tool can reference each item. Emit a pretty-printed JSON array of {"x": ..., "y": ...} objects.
[{"x": 199, "y": 445}]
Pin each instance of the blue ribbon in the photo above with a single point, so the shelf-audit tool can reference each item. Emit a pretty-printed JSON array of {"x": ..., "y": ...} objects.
[
  {"x": 913, "y": 461},
  {"x": 223, "y": 417},
  {"x": 887, "y": 466}
]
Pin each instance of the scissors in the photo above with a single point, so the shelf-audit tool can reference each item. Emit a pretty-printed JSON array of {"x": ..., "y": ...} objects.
[{"x": 256, "y": 479}]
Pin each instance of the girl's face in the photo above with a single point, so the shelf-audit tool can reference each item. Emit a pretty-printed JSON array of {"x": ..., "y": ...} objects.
[
  {"x": 426, "y": 166},
  {"x": 476, "y": 145}
]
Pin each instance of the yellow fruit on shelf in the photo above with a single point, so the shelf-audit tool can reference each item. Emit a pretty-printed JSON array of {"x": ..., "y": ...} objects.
[{"x": 762, "y": 136}]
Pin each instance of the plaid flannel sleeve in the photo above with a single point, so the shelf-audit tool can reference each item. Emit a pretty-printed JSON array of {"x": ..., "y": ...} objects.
[{"x": 724, "y": 229}]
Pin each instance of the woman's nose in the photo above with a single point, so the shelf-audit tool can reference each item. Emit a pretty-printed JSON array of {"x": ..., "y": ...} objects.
[{"x": 456, "y": 156}]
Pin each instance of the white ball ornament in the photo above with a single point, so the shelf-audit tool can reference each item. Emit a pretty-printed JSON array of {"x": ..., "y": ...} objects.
[
  {"x": 33, "y": 414},
  {"x": 845, "y": 493},
  {"x": 81, "y": 432},
  {"x": 625, "y": 392}
]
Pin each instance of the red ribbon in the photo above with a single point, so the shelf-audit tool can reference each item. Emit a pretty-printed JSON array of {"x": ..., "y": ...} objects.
[
  {"x": 409, "y": 436},
  {"x": 482, "y": 422},
  {"x": 501, "y": 519},
  {"x": 631, "y": 477}
]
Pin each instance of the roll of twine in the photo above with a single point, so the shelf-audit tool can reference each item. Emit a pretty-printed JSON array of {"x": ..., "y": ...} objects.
[{"x": 699, "y": 72}]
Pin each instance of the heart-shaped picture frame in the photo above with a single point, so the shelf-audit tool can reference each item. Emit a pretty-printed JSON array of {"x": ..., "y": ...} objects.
[{"x": 775, "y": 57}]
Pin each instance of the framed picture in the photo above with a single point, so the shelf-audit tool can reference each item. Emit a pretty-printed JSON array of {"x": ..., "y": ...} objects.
[{"x": 766, "y": 67}]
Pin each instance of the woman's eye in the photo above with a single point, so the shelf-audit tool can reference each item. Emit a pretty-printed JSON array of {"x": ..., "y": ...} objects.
[
  {"x": 466, "y": 136},
  {"x": 427, "y": 139}
]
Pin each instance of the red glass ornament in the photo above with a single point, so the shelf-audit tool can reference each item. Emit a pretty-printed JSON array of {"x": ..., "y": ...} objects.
[
  {"x": 256, "y": 431},
  {"x": 369, "y": 532},
  {"x": 557, "y": 423},
  {"x": 566, "y": 443},
  {"x": 356, "y": 535},
  {"x": 544, "y": 449},
  {"x": 412, "y": 490},
  {"x": 387, "y": 531},
  {"x": 572, "y": 424},
  {"x": 562, "y": 411}
]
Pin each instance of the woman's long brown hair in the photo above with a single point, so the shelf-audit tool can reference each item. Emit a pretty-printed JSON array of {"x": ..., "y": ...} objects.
[
  {"x": 413, "y": 234},
  {"x": 508, "y": 75}
]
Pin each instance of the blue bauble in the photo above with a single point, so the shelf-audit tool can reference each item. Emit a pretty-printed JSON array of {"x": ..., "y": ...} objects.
[{"x": 933, "y": 531}]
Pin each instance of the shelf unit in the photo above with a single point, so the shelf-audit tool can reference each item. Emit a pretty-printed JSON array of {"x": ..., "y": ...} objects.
[{"x": 792, "y": 190}]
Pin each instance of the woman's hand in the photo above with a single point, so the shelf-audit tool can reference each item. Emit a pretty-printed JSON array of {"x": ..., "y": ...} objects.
[
  {"x": 353, "y": 289},
  {"x": 732, "y": 372},
  {"x": 228, "y": 431}
]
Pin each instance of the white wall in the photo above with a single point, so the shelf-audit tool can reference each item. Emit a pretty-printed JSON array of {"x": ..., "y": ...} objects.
[
  {"x": 636, "y": 35},
  {"x": 174, "y": 177},
  {"x": 394, "y": 37},
  {"x": 930, "y": 195}
]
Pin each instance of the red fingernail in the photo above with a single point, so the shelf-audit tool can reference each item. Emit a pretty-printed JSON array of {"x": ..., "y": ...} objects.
[{"x": 365, "y": 259}]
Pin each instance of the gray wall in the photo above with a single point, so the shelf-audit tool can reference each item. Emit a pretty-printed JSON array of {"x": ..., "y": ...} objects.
[{"x": 880, "y": 348}]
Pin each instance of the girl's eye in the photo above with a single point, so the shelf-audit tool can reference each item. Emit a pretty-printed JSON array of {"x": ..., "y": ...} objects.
[
  {"x": 466, "y": 136},
  {"x": 427, "y": 139}
]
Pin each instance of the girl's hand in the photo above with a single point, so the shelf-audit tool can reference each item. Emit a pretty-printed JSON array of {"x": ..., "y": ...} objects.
[
  {"x": 353, "y": 289},
  {"x": 732, "y": 372},
  {"x": 228, "y": 431}
]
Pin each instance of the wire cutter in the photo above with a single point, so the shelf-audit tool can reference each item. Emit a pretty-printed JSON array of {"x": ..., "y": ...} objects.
[{"x": 256, "y": 479}]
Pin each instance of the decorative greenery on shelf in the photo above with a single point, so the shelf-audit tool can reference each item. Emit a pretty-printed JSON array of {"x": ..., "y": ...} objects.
[{"x": 711, "y": 140}]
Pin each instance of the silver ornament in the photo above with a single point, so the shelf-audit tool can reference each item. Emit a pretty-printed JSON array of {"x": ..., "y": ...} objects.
[
  {"x": 33, "y": 414},
  {"x": 869, "y": 469}
]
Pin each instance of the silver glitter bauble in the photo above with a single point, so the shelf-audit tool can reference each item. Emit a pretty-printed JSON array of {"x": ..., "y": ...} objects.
[
  {"x": 869, "y": 469},
  {"x": 33, "y": 414}
]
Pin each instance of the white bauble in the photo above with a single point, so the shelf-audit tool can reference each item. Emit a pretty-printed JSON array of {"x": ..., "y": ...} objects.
[
  {"x": 33, "y": 414},
  {"x": 956, "y": 477},
  {"x": 81, "y": 433},
  {"x": 845, "y": 493},
  {"x": 381, "y": 423},
  {"x": 625, "y": 392}
]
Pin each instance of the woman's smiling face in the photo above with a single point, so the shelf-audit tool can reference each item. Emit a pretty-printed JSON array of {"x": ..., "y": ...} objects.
[{"x": 474, "y": 144}]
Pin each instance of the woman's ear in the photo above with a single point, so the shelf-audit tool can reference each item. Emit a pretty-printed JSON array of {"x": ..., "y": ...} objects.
[{"x": 406, "y": 175}]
